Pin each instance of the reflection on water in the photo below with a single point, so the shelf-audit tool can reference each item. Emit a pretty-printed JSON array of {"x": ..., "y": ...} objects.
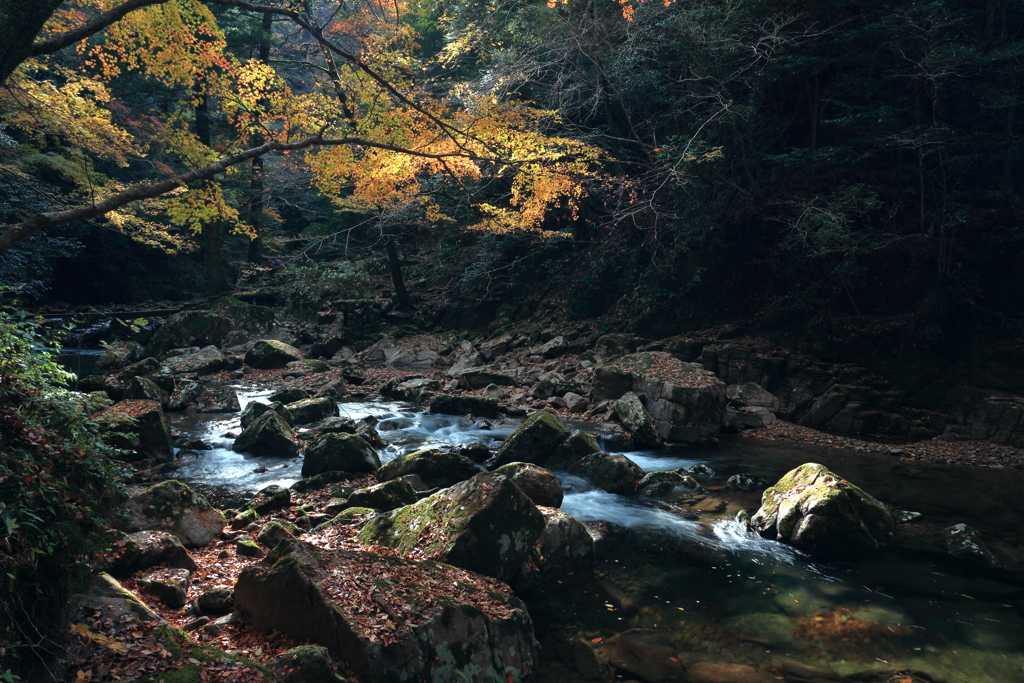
[{"x": 719, "y": 592}]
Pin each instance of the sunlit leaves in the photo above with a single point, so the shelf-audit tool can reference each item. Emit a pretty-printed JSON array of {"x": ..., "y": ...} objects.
[{"x": 202, "y": 206}]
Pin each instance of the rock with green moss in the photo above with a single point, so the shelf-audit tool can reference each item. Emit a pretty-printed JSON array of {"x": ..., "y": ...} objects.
[
  {"x": 312, "y": 410},
  {"x": 342, "y": 425},
  {"x": 667, "y": 485},
  {"x": 563, "y": 554},
  {"x": 120, "y": 354},
  {"x": 435, "y": 467},
  {"x": 578, "y": 445},
  {"x": 216, "y": 399},
  {"x": 308, "y": 365},
  {"x": 534, "y": 442},
  {"x": 247, "y": 548},
  {"x": 268, "y": 435},
  {"x": 482, "y": 634},
  {"x": 205, "y": 361},
  {"x": 144, "y": 549},
  {"x": 611, "y": 472},
  {"x": 637, "y": 421},
  {"x": 175, "y": 508},
  {"x": 485, "y": 524},
  {"x": 540, "y": 485},
  {"x": 170, "y": 586},
  {"x": 116, "y": 602},
  {"x": 139, "y": 427},
  {"x": 334, "y": 452},
  {"x": 289, "y": 395},
  {"x": 245, "y": 519},
  {"x": 215, "y": 601},
  {"x": 455, "y": 404},
  {"x": 270, "y": 498},
  {"x": 256, "y": 408},
  {"x": 384, "y": 497},
  {"x": 143, "y": 389},
  {"x": 818, "y": 511},
  {"x": 186, "y": 392},
  {"x": 189, "y": 328},
  {"x": 268, "y": 354},
  {"x": 305, "y": 664},
  {"x": 348, "y": 516},
  {"x": 276, "y": 530},
  {"x": 321, "y": 481}
]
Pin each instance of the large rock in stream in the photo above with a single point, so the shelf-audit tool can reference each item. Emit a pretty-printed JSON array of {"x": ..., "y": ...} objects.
[
  {"x": 435, "y": 467},
  {"x": 534, "y": 442},
  {"x": 391, "y": 620},
  {"x": 637, "y": 421},
  {"x": 268, "y": 354},
  {"x": 176, "y": 509},
  {"x": 820, "y": 512},
  {"x": 564, "y": 553},
  {"x": 485, "y": 524},
  {"x": 335, "y": 451},
  {"x": 269, "y": 435},
  {"x": 139, "y": 427},
  {"x": 187, "y": 329}
]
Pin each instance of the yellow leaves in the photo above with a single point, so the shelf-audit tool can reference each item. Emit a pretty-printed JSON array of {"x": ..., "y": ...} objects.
[
  {"x": 628, "y": 6},
  {"x": 112, "y": 645},
  {"x": 203, "y": 206}
]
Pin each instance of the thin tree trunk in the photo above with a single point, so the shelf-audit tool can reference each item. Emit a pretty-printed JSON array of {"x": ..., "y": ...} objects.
[
  {"x": 255, "y": 251},
  {"x": 402, "y": 299},
  {"x": 213, "y": 233}
]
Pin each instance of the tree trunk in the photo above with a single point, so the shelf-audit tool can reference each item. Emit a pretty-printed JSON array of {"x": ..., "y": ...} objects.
[
  {"x": 20, "y": 23},
  {"x": 255, "y": 251},
  {"x": 402, "y": 300},
  {"x": 213, "y": 233}
]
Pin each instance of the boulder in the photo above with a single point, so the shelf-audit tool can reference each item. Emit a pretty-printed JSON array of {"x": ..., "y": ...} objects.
[
  {"x": 247, "y": 548},
  {"x": 275, "y": 531},
  {"x": 305, "y": 664},
  {"x": 270, "y": 498},
  {"x": 312, "y": 410},
  {"x": 267, "y": 435},
  {"x": 637, "y": 421},
  {"x": 540, "y": 485},
  {"x": 751, "y": 395},
  {"x": 143, "y": 389},
  {"x": 477, "y": 452},
  {"x": 139, "y": 427},
  {"x": 667, "y": 485},
  {"x": 267, "y": 354},
  {"x": 578, "y": 445},
  {"x": 170, "y": 586},
  {"x": 145, "y": 549},
  {"x": 609, "y": 346},
  {"x": 289, "y": 395},
  {"x": 741, "y": 419},
  {"x": 435, "y": 630},
  {"x": 306, "y": 366},
  {"x": 746, "y": 483},
  {"x": 612, "y": 473},
  {"x": 186, "y": 392},
  {"x": 218, "y": 400},
  {"x": 485, "y": 524},
  {"x": 249, "y": 320},
  {"x": 455, "y": 404},
  {"x": 575, "y": 403},
  {"x": 417, "y": 358},
  {"x": 412, "y": 390},
  {"x": 434, "y": 467},
  {"x": 647, "y": 654},
  {"x": 146, "y": 366},
  {"x": 257, "y": 408},
  {"x": 686, "y": 402},
  {"x": 564, "y": 553},
  {"x": 334, "y": 451},
  {"x": 341, "y": 425},
  {"x": 215, "y": 601},
  {"x": 384, "y": 497},
  {"x": 534, "y": 442},
  {"x": 120, "y": 354},
  {"x": 173, "y": 507},
  {"x": 189, "y": 328},
  {"x": 478, "y": 378},
  {"x": 964, "y": 542},
  {"x": 817, "y": 511},
  {"x": 206, "y": 361},
  {"x": 117, "y": 603},
  {"x": 552, "y": 349},
  {"x": 337, "y": 389}
]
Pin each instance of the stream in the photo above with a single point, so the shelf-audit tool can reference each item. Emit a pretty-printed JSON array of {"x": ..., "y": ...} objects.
[{"x": 718, "y": 591}]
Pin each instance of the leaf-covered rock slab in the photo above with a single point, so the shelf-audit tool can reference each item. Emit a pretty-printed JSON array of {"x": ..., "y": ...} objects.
[
  {"x": 390, "y": 619},
  {"x": 818, "y": 511},
  {"x": 485, "y": 524}
]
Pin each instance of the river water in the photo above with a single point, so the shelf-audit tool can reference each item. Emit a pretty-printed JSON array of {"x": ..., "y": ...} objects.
[{"x": 716, "y": 590}]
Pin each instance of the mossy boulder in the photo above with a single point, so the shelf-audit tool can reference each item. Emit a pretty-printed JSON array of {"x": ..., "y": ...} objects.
[
  {"x": 454, "y": 404},
  {"x": 321, "y": 481},
  {"x": 270, "y": 498},
  {"x": 175, "y": 508},
  {"x": 247, "y": 548},
  {"x": 256, "y": 408},
  {"x": 534, "y": 442},
  {"x": 145, "y": 549},
  {"x": 637, "y": 421},
  {"x": 384, "y": 497},
  {"x": 189, "y": 328},
  {"x": 305, "y": 664},
  {"x": 218, "y": 400},
  {"x": 143, "y": 389},
  {"x": 268, "y": 435},
  {"x": 119, "y": 354},
  {"x": 309, "y": 365},
  {"x": 485, "y": 524},
  {"x": 334, "y": 451},
  {"x": 578, "y": 445},
  {"x": 312, "y": 410},
  {"x": 818, "y": 511},
  {"x": 139, "y": 427},
  {"x": 244, "y": 519},
  {"x": 268, "y": 354},
  {"x": 564, "y": 553},
  {"x": 206, "y": 361},
  {"x": 540, "y": 485},
  {"x": 434, "y": 467},
  {"x": 611, "y": 472},
  {"x": 275, "y": 531}
]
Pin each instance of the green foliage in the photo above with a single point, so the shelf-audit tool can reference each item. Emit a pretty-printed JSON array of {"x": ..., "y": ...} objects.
[
  {"x": 58, "y": 490},
  {"x": 311, "y": 287}
]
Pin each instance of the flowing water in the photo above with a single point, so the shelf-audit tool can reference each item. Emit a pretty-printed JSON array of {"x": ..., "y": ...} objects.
[{"x": 705, "y": 582}]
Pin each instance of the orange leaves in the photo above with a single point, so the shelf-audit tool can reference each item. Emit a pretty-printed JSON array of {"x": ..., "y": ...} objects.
[{"x": 628, "y": 6}]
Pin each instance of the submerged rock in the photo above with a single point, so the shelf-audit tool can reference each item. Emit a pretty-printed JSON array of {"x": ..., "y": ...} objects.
[
  {"x": 485, "y": 524},
  {"x": 964, "y": 542},
  {"x": 173, "y": 507},
  {"x": 647, "y": 654},
  {"x": 665, "y": 484},
  {"x": 747, "y": 483},
  {"x": 817, "y": 511},
  {"x": 436, "y": 634},
  {"x": 434, "y": 467}
]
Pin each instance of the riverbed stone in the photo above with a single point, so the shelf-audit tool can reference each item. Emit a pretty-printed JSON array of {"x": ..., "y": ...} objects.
[
  {"x": 218, "y": 399},
  {"x": 186, "y": 392},
  {"x": 312, "y": 409},
  {"x": 139, "y": 427},
  {"x": 752, "y": 417},
  {"x": 337, "y": 451},
  {"x": 414, "y": 389},
  {"x": 268, "y": 354},
  {"x": 143, "y": 389},
  {"x": 215, "y": 601},
  {"x": 540, "y": 485},
  {"x": 455, "y": 404},
  {"x": 270, "y": 498},
  {"x": 637, "y": 421},
  {"x": 289, "y": 395},
  {"x": 274, "y": 531},
  {"x": 435, "y": 467},
  {"x": 613, "y": 473},
  {"x": 305, "y": 664},
  {"x": 534, "y": 441},
  {"x": 189, "y": 328},
  {"x": 964, "y": 542},
  {"x": 268, "y": 435},
  {"x": 145, "y": 549},
  {"x": 120, "y": 354},
  {"x": 485, "y": 524},
  {"x": 665, "y": 484},
  {"x": 578, "y": 445},
  {"x": 647, "y": 654},
  {"x": 206, "y": 361},
  {"x": 484, "y": 636},
  {"x": 815, "y": 510},
  {"x": 478, "y": 378},
  {"x": 175, "y": 508},
  {"x": 384, "y": 497},
  {"x": 337, "y": 389},
  {"x": 750, "y": 394},
  {"x": 170, "y": 586},
  {"x": 563, "y": 554},
  {"x": 747, "y": 483}
]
